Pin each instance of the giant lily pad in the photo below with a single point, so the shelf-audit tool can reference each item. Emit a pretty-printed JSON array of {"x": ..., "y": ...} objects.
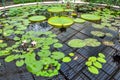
[
  {"x": 55, "y": 9},
  {"x": 60, "y": 22},
  {"x": 78, "y": 20},
  {"x": 37, "y": 18},
  {"x": 90, "y": 17},
  {"x": 77, "y": 43}
]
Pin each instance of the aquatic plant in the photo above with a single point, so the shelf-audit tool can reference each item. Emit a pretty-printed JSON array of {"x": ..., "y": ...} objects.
[
  {"x": 95, "y": 63},
  {"x": 78, "y": 43}
]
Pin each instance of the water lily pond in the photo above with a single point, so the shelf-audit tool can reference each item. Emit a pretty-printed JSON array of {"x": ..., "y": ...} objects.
[{"x": 60, "y": 42}]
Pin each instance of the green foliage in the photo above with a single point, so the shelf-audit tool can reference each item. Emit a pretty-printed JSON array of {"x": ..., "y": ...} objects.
[
  {"x": 94, "y": 63},
  {"x": 55, "y": 9},
  {"x": 60, "y": 21},
  {"x": 37, "y": 18},
  {"x": 47, "y": 65},
  {"x": 90, "y": 17},
  {"x": 24, "y": 1},
  {"x": 101, "y": 34},
  {"x": 66, "y": 59},
  {"x": 78, "y": 20},
  {"x": 78, "y": 43}
]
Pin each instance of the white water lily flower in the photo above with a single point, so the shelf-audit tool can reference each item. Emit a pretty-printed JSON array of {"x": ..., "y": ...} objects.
[{"x": 33, "y": 42}]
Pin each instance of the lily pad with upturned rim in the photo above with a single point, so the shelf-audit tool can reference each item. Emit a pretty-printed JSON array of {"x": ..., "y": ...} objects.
[
  {"x": 37, "y": 18},
  {"x": 90, "y": 17},
  {"x": 60, "y": 22},
  {"x": 78, "y": 20},
  {"x": 55, "y": 9}
]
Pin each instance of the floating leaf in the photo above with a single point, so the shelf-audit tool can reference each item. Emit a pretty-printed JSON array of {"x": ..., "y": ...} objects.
[
  {"x": 66, "y": 59},
  {"x": 44, "y": 53},
  {"x": 97, "y": 64},
  {"x": 76, "y": 43},
  {"x": 9, "y": 58},
  {"x": 71, "y": 54},
  {"x": 93, "y": 70},
  {"x": 90, "y": 17},
  {"x": 88, "y": 63},
  {"x": 20, "y": 63},
  {"x": 93, "y": 59},
  {"x": 57, "y": 55},
  {"x": 78, "y": 20},
  {"x": 101, "y": 60},
  {"x": 101, "y": 55},
  {"x": 37, "y": 18},
  {"x": 57, "y": 45},
  {"x": 60, "y": 22}
]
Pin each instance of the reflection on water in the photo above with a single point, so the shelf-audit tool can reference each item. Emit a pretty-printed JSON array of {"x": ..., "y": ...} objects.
[{"x": 43, "y": 27}]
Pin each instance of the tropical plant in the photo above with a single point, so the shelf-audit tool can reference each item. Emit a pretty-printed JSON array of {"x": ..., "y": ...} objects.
[
  {"x": 60, "y": 22},
  {"x": 78, "y": 20},
  {"x": 94, "y": 63},
  {"x": 33, "y": 50},
  {"x": 37, "y": 18},
  {"x": 78, "y": 43},
  {"x": 90, "y": 17}
]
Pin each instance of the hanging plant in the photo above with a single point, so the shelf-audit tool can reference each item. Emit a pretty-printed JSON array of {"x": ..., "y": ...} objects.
[{"x": 94, "y": 63}]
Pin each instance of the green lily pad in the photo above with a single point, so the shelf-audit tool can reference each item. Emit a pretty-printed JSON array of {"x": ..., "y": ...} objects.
[
  {"x": 76, "y": 43},
  {"x": 60, "y": 22},
  {"x": 90, "y": 17},
  {"x": 92, "y": 59},
  {"x": 71, "y": 54},
  {"x": 97, "y": 33},
  {"x": 93, "y": 70},
  {"x": 101, "y": 55},
  {"x": 55, "y": 9},
  {"x": 57, "y": 55},
  {"x": 97, "y": 64},
  {"x": 9, "y": 58},
  {"x": 78, "y": 20},
  {"x": 44, "y": 53},
  {"x": 37, "y": 18},
  {"x": 102, "y": 60},
  {"x": 66, "y": 59},
  {"x": 88, "y": 63},
  {"x": 57, "y": 45},
  {"x": 20, "y": 63}
]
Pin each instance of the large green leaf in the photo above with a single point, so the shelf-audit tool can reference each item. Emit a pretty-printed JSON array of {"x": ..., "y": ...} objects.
[
  {"x": 9, "y": 58},
  {"x": 57, "y": 55},
  {"x": 78, "y": 20},
  {"x": 102, "y": 60},
  {"x": 97, "y": 64},
  {"x": 57, "y": 45},
  {"x": 90, "y": 17},
  {"x": 60, "y": 21},
  {"x": 55, "y": 9},
  {"x": 37, "y": 18},
  {"x": 76, "y": 43},
  {"x": 93, "y": 70}
]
